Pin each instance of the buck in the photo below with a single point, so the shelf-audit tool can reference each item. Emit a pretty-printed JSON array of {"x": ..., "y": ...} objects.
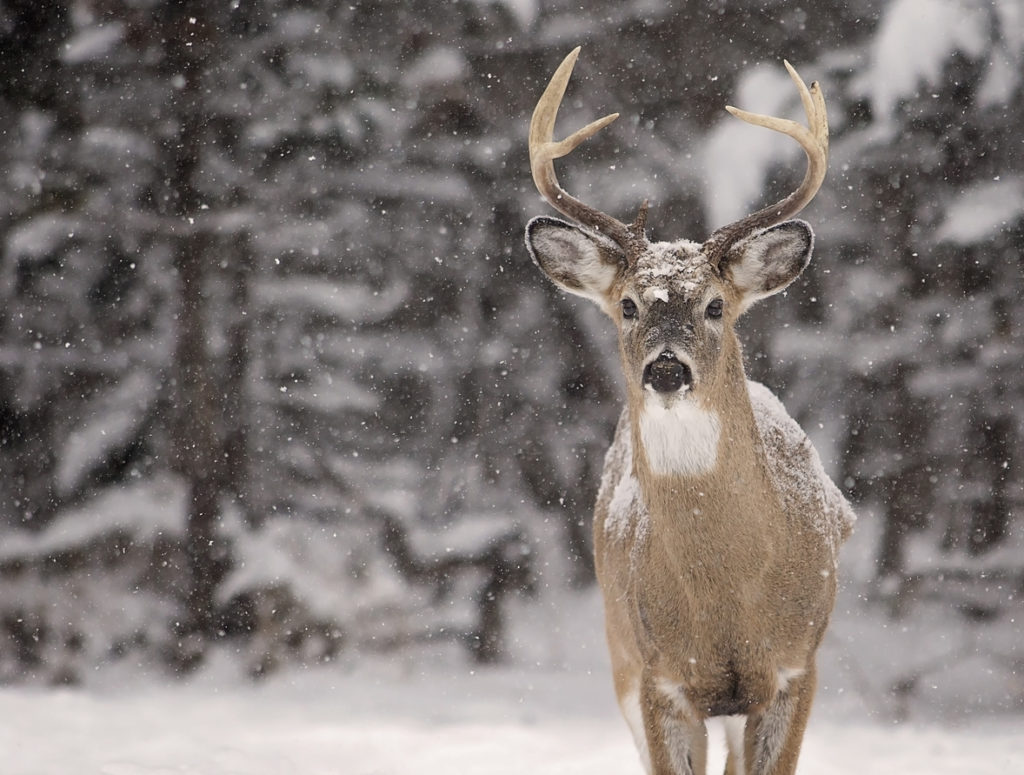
[{"x": 716, "y": 529}]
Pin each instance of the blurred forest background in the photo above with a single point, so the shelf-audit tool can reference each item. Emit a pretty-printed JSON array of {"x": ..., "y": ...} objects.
[{"x": 278, "y": 379}]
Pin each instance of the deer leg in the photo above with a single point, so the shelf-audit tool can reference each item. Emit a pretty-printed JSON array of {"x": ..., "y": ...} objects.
[
  {"x": 734, "y": 760},
  {"x": 677, "y": 740},
  {"x": 774, "y": 735}
]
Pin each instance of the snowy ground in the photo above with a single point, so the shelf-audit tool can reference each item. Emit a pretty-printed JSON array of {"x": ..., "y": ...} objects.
[
  {"x": 381, "y": 721},
  {"x": 553, "y": 712}
]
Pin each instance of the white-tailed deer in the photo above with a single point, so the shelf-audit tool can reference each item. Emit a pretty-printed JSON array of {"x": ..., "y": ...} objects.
[{"x": 716, "y": 529}]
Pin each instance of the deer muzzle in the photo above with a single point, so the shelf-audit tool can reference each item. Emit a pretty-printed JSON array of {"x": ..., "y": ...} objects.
[{"x": 667, "y": 374}]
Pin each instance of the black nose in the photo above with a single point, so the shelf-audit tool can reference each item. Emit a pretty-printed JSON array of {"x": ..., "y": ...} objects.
[{"x": 667, "y": 374}]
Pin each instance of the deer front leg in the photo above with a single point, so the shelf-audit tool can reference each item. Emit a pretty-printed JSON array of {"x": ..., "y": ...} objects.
[
  {"x": 677, "y": 740},
  {"x": 774, "y": 735}
]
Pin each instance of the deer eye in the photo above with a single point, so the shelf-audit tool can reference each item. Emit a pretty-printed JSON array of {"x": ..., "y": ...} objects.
[
  {"x": 629, "y": 309},
  {"x": 714, "y": 309}
]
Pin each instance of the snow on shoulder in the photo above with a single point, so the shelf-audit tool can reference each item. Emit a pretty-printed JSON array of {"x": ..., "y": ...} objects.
[
  {"x": 625, "y": 512},
  {"x": 795, "y": 469}
]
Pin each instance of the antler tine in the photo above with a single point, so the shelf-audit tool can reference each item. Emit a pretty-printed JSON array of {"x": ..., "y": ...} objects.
[
  {"x": 544, "y": 150},
  {"x": 813, "y": 138}
]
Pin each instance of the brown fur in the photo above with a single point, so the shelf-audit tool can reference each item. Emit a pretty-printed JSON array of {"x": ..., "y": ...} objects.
[{"x": 722, "y": 592}]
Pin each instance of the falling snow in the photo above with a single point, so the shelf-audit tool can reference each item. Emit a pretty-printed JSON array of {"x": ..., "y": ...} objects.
[{"x": 270, "y": 342}]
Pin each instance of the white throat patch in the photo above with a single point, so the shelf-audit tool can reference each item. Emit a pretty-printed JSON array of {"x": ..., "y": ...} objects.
[{"x": 679, "y": 439}]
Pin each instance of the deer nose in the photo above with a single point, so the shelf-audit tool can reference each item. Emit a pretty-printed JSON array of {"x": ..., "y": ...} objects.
[{"x": 667, "y": 374}]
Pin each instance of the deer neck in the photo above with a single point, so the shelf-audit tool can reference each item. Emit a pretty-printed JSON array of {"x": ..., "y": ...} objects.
[{"x": 697, "y": 445}]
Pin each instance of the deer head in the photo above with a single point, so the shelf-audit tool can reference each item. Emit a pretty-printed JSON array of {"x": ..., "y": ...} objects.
[{"x": 674, "y": 303}]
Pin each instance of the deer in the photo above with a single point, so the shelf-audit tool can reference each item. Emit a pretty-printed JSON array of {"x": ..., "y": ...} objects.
[{"x": 716, "y": 529}]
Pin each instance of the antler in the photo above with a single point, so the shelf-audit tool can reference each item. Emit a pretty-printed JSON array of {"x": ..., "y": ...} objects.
[
  {"x": 544, "y": 150},
  {"x": 813, "y": 138}
]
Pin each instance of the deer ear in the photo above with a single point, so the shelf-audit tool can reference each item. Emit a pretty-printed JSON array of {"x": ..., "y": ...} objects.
[
  {"x": 766, "y": 262},
  {"x": 577, "y": 261}
]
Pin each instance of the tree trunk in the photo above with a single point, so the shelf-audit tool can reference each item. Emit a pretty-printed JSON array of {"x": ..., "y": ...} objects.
[{"x": 198, "y": 450}]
